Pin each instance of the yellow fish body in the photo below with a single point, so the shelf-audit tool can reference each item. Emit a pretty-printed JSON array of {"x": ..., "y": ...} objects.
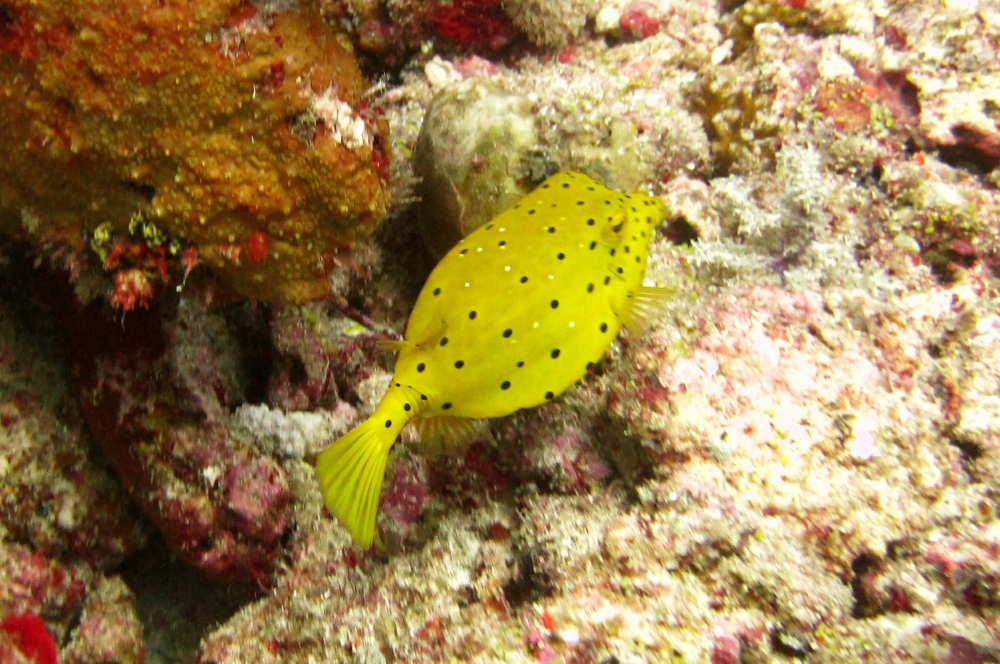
[{"x": 512, "y": 316}]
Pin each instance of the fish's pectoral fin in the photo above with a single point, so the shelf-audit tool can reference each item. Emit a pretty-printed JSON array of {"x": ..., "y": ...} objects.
[
  {"x": 393, "y": 345},
  {"x": 641, "y": 307},
  {"x": 429, "y": 337},
  {"x": 446, "y": 435}
]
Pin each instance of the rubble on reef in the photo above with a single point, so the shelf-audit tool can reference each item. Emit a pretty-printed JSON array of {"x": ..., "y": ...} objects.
[{"x": 797, "y": 461}]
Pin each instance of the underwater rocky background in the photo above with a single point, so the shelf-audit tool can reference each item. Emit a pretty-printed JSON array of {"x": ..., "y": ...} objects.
[{"x": 211, "y": 213}]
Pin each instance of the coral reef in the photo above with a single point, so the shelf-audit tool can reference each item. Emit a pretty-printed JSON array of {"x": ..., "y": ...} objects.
[
  {"x": 54, "y": 492},
  {"x": 239, "y": 133},
  {"x": 797, "y": 461}
]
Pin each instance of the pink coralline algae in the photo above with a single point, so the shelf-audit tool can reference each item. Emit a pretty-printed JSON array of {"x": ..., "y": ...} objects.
[
  {"x": 636, "y": 23},
  {"x": 218, "y": 503}
]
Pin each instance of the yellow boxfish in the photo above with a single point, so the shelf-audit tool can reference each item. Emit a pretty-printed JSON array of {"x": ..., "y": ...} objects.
[{"x": 516, "y": 313}]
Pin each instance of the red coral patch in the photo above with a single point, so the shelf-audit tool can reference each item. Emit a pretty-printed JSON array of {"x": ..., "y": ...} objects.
[{"x": 30, "y": 637}]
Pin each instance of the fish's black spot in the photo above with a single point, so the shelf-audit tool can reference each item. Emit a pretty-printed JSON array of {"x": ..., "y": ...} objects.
[
  {"x": 549, "y": 395},
  {"x": 607, "y": 202},
  {"x": 627, "y": 249},
  {"x": 555, "y": 353},
  {"x": 617, "y": 227},
  {"x": 620, "y": 270},
  {"x": 446, "y": 405},
  {"x": 590, "y": 189},
  {"x": 423, "y": 397},
  {"x": 489, "y": 227},
  {"x": 591, "y": 222},
  {"x": 459, "y": 364},
  {"x": 637, "y": 260},
  {"x": 593, "y": 245},
  {"x": 642, "y": 233},
  {"x": 421, "y": 367},
  {"x": 397, "y": 384},
  {"x": 520, "y": 364},
  {"x": 565, "y": 185},
  {"x": 463, "y": 252},
  {"x": 505, "y": 385},
  {"x": 388, "y": 423},
  {"x": 502, "y": 243},
  {"x": 560, "y": 255},
  {"x": 551, "y": 229},
  {"x": 590, "y": 288},
  {"x": 472, "y": 315},
  {"x": 444, "y": 341},
  {"x": 507, "y": 332},
  {"x": 604, "y": 327},
  {"x": 546, "y": 185},
  {"x": 524, "y": 280},
  {"x": 607, "y": 280},
  {"x": 580, "y": 202},
  {"x": 531, "y": 211},
  {"x": 554, "y": 304},
  {"x": 406, "y": 407},
  {"x": 612, "y": 252},
  {"x": 649, "y": 219}
]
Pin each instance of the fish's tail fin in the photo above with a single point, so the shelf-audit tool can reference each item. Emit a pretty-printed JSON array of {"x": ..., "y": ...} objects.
[{"x": 351, "y": 469}]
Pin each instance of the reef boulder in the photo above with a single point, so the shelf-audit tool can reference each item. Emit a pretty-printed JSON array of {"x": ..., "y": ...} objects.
[{"x": 160, "y": 135}]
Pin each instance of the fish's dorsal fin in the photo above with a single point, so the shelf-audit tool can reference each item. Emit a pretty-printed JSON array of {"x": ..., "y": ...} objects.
[
  {"x": 446, "y": 435},
  {"x": 642, "y": 306}
]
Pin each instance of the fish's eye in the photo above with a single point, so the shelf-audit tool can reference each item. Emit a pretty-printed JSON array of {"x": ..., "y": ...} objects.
[{"x": 611, "y": 234}]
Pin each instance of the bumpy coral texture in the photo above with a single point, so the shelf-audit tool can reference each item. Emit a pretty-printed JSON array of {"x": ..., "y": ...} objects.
[
  {"x": 798, "y": 462},
  {"x": 241, "y": 133}
]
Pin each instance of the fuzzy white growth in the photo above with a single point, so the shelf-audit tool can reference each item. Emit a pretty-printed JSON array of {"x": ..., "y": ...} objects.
[
  {"x": 780, "y": 229},
  {"x": 346, "y": 126}
]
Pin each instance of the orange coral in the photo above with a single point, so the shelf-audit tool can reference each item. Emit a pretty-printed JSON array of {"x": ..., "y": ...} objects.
[{"x": 217, "y": 124}]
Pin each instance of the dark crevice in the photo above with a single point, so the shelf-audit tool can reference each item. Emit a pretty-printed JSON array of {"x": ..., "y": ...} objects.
[
  {"x": 148, "y": 192},
  {"x": 864, "y": 567},
  {"x": 528, "y": 584},
  {"x": 680, "y": 231}
]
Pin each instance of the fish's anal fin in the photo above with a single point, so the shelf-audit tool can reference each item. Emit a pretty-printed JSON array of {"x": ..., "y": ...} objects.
[
  {"x": 641, "y": 307},
  {"x": 446, "y": 435}
]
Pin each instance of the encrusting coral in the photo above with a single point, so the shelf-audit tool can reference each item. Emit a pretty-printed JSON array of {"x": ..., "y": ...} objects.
[{"x": 238, "y": 133}]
